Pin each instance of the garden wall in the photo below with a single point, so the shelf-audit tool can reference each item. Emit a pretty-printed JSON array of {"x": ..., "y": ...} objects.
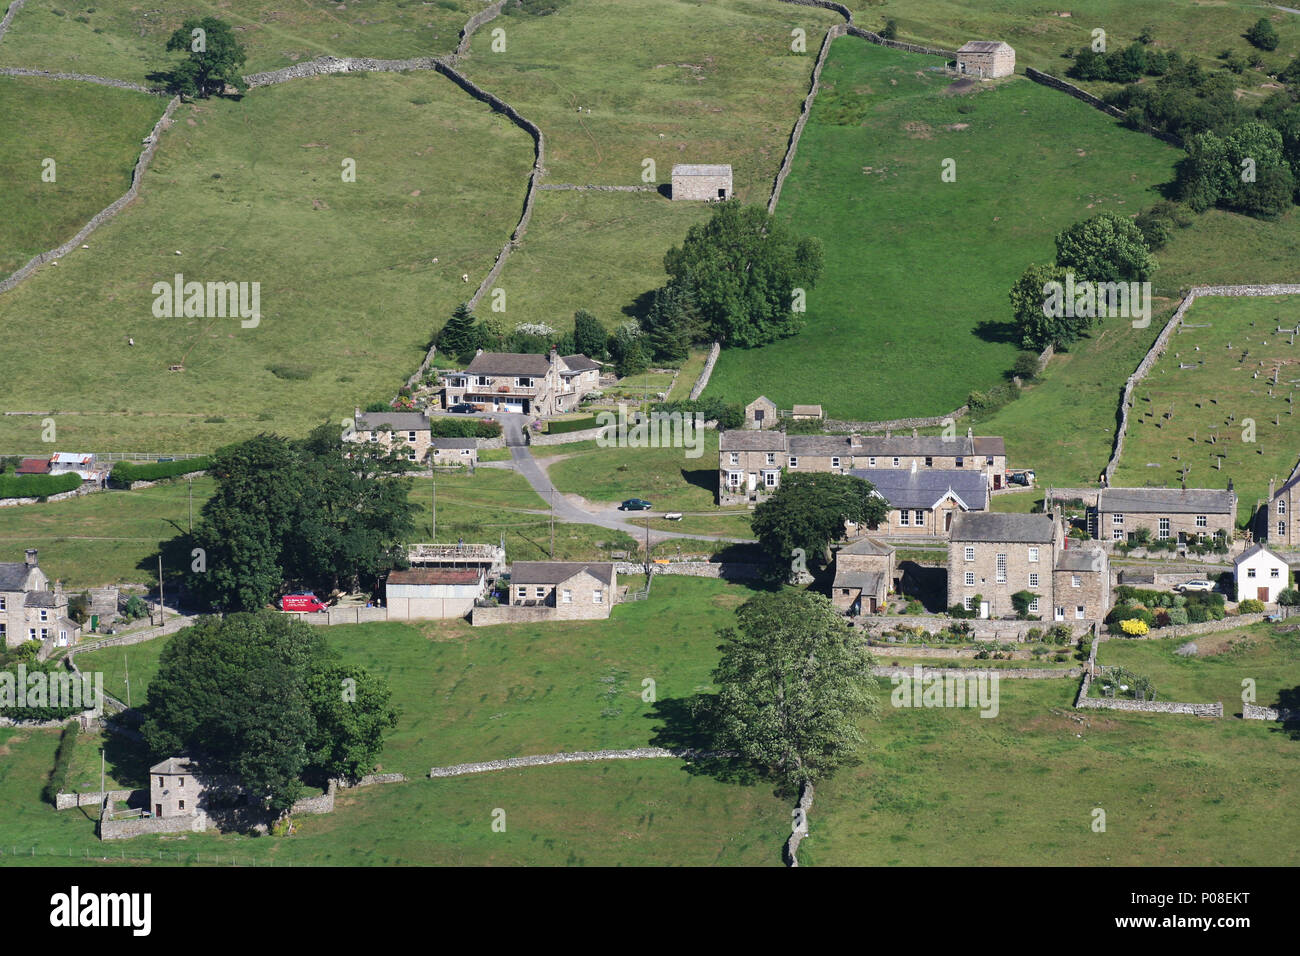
[
  {"x": 727, "y": 570},
  {"x": 568, "y": 438},
  {"x": 982, "y": 630},
  {"x": 965, "y": 673},
  {"x": 69, "y": 801},
  {"x": 1256, "y": 712}
]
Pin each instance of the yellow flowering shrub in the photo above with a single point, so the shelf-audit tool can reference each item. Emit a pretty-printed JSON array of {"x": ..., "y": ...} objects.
[{"x": 1134, "y": 627}]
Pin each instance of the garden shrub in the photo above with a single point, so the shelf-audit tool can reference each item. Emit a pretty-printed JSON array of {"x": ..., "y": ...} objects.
[
  {"x": 37, "y": 486},
  {"x": 126, "y": 472},
  {"x": 1251, "y": 606}
]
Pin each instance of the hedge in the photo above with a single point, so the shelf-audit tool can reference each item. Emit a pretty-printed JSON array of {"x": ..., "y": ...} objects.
[
  {"x": 62, "y": 759},
  {"x": 125, "y": 472},
  {"x": 37, "y": 486},
  {"x": 464, "y": 428},
  {"x": 573, "y": 425}
]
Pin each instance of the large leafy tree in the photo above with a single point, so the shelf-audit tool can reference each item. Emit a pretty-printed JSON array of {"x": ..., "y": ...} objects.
[
  {"x": 808, "y": 511},
  {"x": 260, "y": 697},
  {"x": 1105, "y": 248},
  {"x": 1036, "y": 321},
  {"x": 794, "y": 684},
  {"x": 214, "y": 61},
  {"x": 304, "y": 512},
  {"x": 744, "y": 268},
  {"x": 589, "y": 335}
]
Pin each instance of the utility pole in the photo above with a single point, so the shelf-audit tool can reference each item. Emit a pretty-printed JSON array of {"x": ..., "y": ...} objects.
[
  {"x": 647, "y": 548},
  {"x": 552, "y": 522},
  {"x": 191, "y": 481},
  {"x": 162, "y": 608},
  {"x": 127, "y": 664},
  {"x": 433, "y": 506}
]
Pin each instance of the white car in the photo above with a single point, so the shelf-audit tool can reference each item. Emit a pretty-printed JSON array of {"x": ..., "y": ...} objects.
[
  {"x": 674, "y": 516},
  {"x": 1195, "y": 586}
]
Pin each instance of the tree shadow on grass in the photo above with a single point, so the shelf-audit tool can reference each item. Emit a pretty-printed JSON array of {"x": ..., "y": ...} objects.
[
  {"x": 1003, "y": 332},
  {"x": 686, "y": 723},
  {"x": 1290, "y": 700},
  {"x": 706, "y": 478}
]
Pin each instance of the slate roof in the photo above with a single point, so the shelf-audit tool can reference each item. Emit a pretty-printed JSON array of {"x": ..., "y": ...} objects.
[
  {"x": 982, "y": 46},
  {"x": 580, "y": 363},
  {"x": 509, "y": 363},
  {"x": 13, "y": 575},
  {"x": 997, "y": 527},
  {"x": 451, "y": 443},
  {"x": 175, "y": 765},
  {"x": 985, "y": 446},
  {"x": 820, "y": 445},
  {"x": 432, "y": 576},
  {"x": 807, "y": 410},
  {"x": 701, "y": 169},
  {"x": 398, "y": 421},
  {"x": 556, "y": 572},
  {"x": 39, "y": 599},
  {"x": 1078, "y": 559},
  {"x": 904, "y": 488},
  {"x": 1166, "y": 501},
  {"x": 868, "y": 582},
  {"x": 752, "y": 440},
  {"x": 1254, "y": 550},
  {"x": 866, "y": 546}
]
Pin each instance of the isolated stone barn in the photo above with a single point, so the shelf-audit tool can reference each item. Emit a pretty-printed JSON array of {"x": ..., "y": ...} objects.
[
  {"x": 986, "y": 59},
  {"x": 701, "y": 182}
]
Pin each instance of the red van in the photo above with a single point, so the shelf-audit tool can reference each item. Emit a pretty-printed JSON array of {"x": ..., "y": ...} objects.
[{"x": 301, "y": 601}]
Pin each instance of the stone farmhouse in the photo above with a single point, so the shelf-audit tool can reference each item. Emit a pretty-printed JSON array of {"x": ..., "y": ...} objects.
[
  {"x": 174, "y": 790},
  {"x": 32, "y": 607},
  {"x": 992, "y": 556},
  {"x": 710, "y": 183},
  {"x": 433, "y": 593},
  {"x": 1189, "y": 514},
  {"x": 455, "y": 451},
  {"x": 864, "y": 576},
  {"x": 922, "y": 502},
  {"x": 986, "y": 59},
  {"x": 750, "y": 462},
  {"x": 1282, "y": 519},
  {"x": 554, "y": 591},
  {"x": 407, "y": 433},
  {"x": 1260, "y": 574},
  {"x": 519, "y": 382}
]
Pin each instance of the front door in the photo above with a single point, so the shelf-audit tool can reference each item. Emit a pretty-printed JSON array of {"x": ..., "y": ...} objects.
[
  {"x": 984, "y": 610},
  {"x": 947, "y": 521},
  {"x": 1060, "y": 614},
  {"x": 997, "y": 481},
  {"x": 157, "y": 809},
  {"x": 1262, "y": 594}
]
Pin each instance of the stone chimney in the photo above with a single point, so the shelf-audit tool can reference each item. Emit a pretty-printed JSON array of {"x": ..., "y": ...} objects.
[
  {"x": 31, "y": 558},
  {"x": 551, "y": 358},
  {"x": 914, "y": 465},
  {"x": 855, "y": 440}
]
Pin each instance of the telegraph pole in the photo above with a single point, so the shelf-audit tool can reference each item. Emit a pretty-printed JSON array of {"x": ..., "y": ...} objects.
[
  {"x": 162, "y": 608},
  {"x": 191, "y": 481},
  {"x": 552, "y": 522},
  {"x": 433, "y": 506}
]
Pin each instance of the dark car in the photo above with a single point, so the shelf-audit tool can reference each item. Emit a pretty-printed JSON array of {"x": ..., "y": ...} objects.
[
  {"x": 635, "y": 504},
  {"x": 463, "y": 408}
]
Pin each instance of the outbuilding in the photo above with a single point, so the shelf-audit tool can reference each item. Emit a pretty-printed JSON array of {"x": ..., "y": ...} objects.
[
  {"x": 1260, "y": 574},
  {"x": 691, "y": 181}
]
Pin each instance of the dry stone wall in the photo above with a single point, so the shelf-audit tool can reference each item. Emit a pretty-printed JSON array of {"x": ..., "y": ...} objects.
[
  {"x": 1046, "y": 79},
  {"x": 1256, "y": 712},
  {"x": 9, "y": 16},
  {"x": 934, "y": 421},
  {"x": 966, "y": 673},
  {"x": 834, "y": 32},
  {"x": 546, "y": 760},
  {"x": 151, "y": 144},
  {"x": 477, "y": 20},
  {"x": 800, "y": 828},
  {"x": 80, "y": 77},
  {"x": 702, "y": 382}
]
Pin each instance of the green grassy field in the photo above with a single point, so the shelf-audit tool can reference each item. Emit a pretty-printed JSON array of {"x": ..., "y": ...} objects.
[
  {"x": 947, "y": 787},
  {"x": 890, "y": 333},
  {"x": 93, "y": 135},
  {"x": 252, "y": 191},
  {"x": 1261, "y": 652},
  {"x": 1215, "y": 401},
  {"x": 123, "y": 39},
  {"x": 1040, "y": 34},
  {"x": 663, "y": 476}
]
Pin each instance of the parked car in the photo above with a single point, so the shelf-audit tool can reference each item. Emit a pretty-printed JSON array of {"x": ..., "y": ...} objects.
[
  {"x": 1195, "y": 586},
  {"x": 302, "y": 601},
  {"x": 463, "y": 408},
  {"x": 635, "y": 504},
  {"x": 1025, "y": 478},
  {"x": 674, "y": 516}
]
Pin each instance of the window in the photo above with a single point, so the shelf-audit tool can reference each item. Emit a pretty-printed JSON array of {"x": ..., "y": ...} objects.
[
  {"x": 45, "y": 632},
  {"x": 1033, "y": 555},
  {"x": 835, "y": 462},
  {"x": 1281, "y": 506},
  {"x": 1117, "y": 519},
  {"x": 2, "y": 603},
  {"x": 794, "y": 462},
  {"x": 180, "y": 804},
  {"x": 918, "y": 518},
  {"x": 1273, "y": 573},
  {"x": 970, "y": 553},
  {"x": 1250, "y": 572},
  {"x": 1202, "y": 521},
  {"x": 45, "y": 615},
  {"x": 540, "y": 592},
  {"x": 905, "y": 518},
  {"x": 1281, "y": 529},
  {"x": 895, "y": 462},
  {"x": 180, "y": 782},
  {"x": 871, "y": 463},
  {"x": 970, "y": 579},
  {"x": 1078, "y": 612},
  {"x": 598, "y": 596},
  {"x": 1164, "y": 529},
  {"x": 929, "y": 461},
  {"x": 31, "y": 634},
  {"x": 524, "y": 382},
  {"x": 1002, "y": 569},
  {"x": 566, "y": 597},
  {"x": 989, "y": 461},
  {"x": 959, "y": 462},
  {"x": 1117, "y": 534},
  {"x": 1075, "y": 581},
  {"x": 968, "y": 602},
  {"x": 410, "y": 456},
  {"x": 733, "y": 479},
  {"x": 1033, "y": 580},
  {"x": 374, "y": 436},
  {"x": 482, "y": 380},
  {"x": 769, "y": 479},
  {"x": 160, "y": 782},
  {"x": 3, "y": 628},
  {"x": 1033, "y": 606},
  {"x": 410, "y": 436},
  {"x": 771, "y": 458},
  {"x": 735, "y": 458}
]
